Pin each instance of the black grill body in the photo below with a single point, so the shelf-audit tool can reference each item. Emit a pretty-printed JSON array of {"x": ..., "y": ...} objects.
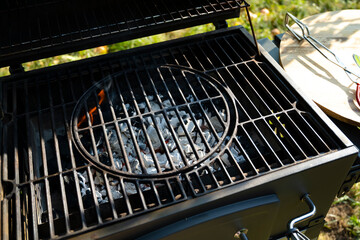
[{"x": 279, "y": 146}]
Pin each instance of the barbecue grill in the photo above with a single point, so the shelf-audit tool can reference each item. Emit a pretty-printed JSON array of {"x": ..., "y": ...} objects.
[{"x": 202, "y": 137}]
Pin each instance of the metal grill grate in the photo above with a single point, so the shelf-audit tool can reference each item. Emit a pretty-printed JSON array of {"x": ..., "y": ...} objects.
[
  {"x": 156, "y": 124},
  {"x": 40, "y": 29},
  {"x": 57, "y": 192}
]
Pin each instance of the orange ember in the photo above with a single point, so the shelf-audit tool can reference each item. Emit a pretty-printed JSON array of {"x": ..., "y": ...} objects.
[{"x": 101, "y": 94}]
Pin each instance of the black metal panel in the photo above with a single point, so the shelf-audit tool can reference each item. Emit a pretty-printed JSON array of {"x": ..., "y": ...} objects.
[
  {"x": 55, "y": 192},
  {"x": 39, "y": 29}
]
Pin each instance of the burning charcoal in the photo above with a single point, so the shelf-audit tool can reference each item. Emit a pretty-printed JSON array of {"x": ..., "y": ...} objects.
[
  {"x": 171, "y": 145},
  {"x": 81, "y": 177},
  {"x": 85, "y": 191},
  {"x": 154, "y": 106},
  {"x": 238, "y": 157},
  {"x": 130, "y": 188},
  {"x": 190, "y": 98},
  {"x": 98, "y": 180},
  {"x": 176, "y": 159},
  {"x": 103, "y": 193},
  {"x": 148, "y": 161},
  {"x": 166, "y": 133},
  {"x": 184, "y": 115},
  {"x": 142, "y": 105},
  {"x": 174, "y": 122},
  {"x": 99, "y": 142},
  {"x": 118, "y": 163},
  {"x": 145, "y": 187},
  {"x": 225, "y": 159},
  {"x": 135, "y": 167},
  {"x": 201, "y": 154},
  {"x": 114, "y": 183},
  {"x": 166, "y": 103},
  {"x": 151, "y": 131},
  {"x": 223, "y": 115},
  {"x": 212, "y": 140},
  {"x": 123, "y": 127},
  {"x": 183, "y": 141},
  {"x": 162, "y": 159},
  {"x": 98, "y": 196},
  {"x": 192, "y": 157},
  {"x": 216, "y": 124},
  {"x": 116, "y": 194},
  {"x": 187, "y": 149},
  {"x": 151, "y": 170},
  {"x": 150, "y": 98}
]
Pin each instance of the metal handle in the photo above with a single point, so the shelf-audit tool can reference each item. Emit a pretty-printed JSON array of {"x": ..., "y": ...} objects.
[
  {"x": 317, "y": 45},
  {"x": 241, "y": 234},
  {"x": 294, "y": 232},
  {"x": 305, "y": 30}
]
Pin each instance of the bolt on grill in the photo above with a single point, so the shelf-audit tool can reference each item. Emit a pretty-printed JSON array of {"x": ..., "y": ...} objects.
[{"x": 57, "y": 186}]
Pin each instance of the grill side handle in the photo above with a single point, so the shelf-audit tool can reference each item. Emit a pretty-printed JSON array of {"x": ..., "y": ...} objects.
[{"x": 294, "y": 233}]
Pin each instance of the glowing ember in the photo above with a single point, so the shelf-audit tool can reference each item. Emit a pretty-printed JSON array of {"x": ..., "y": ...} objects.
[{"x": 92, "y": 111}]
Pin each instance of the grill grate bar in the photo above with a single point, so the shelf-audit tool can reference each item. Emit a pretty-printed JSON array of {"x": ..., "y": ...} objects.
[
  {"x": 176, "y": 110},
  {"x": 45, "y": 166},
  {"x": 224, "y": 171},
  {"x": 247, "y": 110},
  {"x": 213, "y": 107},
  {"x": 127, "y": 162},
  {"x": 235, "y": 164},
  {"x": 153, "y": 154},
  {"x": 60, "y": 169},
  {"x": 262, "y": 88},
  {"x": 16, "y": 173},
  {"x": 127, "y": 201},
  {"x": 313, "y": 151},
  {"x": 203, "y": 112},
  {"x": 264, "y": 138},
  {"x": 138, "y": 152},
  {"x": 253, "y": 143},
  {"x": 107, "y": 144},
  {"x": 109, "y": 195},
  {"x": 93, "y": 193},
  {"x": 192, "y": 113},
  {"x": 198, "y": 179},
  {"x": 143, "y": 203},
  {"x": 116, "y": 123},
  {"x": 289, "y": 136},
  {"x": 31, "y": 164},
  {"x": 281, "y": 143},
  {"x": 276, "y": 91},
  {"x": 258, "y": 97},
  {"x": 241, "y": 130},
  {"x": 172, "y": 131},
  {"x": 215, "y": 55},
  {"x": 233, "y": 51},
  {"x": 316, "y": 133},
  {"x": 156, "y": 193}
]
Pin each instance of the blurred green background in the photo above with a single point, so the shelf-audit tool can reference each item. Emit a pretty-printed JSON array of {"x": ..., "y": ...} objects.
[{"x": 342, "y": 221}]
